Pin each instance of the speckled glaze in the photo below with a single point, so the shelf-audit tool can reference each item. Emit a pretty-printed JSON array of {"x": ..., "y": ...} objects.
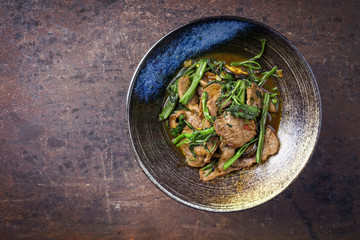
[
  {"x": 298, "y": 131},
  {"x": 166, "y": 57}
]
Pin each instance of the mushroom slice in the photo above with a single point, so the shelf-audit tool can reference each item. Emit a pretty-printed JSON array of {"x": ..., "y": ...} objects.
[{"x": 235, "y": 70}]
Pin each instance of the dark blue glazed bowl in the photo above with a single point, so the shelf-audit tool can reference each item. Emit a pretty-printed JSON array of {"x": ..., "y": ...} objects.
[{"x": 298, "y": 131}]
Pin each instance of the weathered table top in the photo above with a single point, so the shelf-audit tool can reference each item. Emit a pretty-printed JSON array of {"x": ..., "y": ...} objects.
[{"x": 67, "y": 170}]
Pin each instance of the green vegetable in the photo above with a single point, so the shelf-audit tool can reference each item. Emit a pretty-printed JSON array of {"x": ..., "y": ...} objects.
[
  {"x": 262, "y": 127},
  {"x": 242, "y": 91},
  {"x": 237, "y": 94},
  {"x": 196, "y": 79},
  {"x": 267, "y": 75},
  {"x": 227, "y": 76},
  {"x": 252, "y": 64},
  {"x": 273, "y": 98},
  {"x": 208, "y": 173},
  {"x": 205, "y": 108},
  {"x": 211, "y": 63},
  {"x": 197, "y": 138},
  {"x": 247, "y": 63},
  {"x": 213, "y": 148},
  {"x": 263, "y": 41},
  {"x": 172, "y": 101},
  {"x": 210, "y": 167},
  {"x": 189, "y": 125},
  {"x": 238, "y": 154},
  {"x": 193, "y": 135},
  {"x": 243, "y": 111},
  {"x": 169, "y": 107},
  {"x": 178, "y": 129},
  {"x": 181, "y": 124}
]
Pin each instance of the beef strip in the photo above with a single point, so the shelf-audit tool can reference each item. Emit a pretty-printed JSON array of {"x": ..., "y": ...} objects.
[
  {"x": 202, "y": 156},
  {"x": 234, "y": 131},
  {"x": 205, "y": 124},
  {"x": 216, "y": 173},
  {"x": 213, "y": 107},
  {"x": 213, "y": 90},
  {"x": 200, "y": 90},
  {"x": 255, "y": 98},
  {"x": 207, "y": 78},
  {"x": 191, "y": 117},
  {"x": 213, "y": 93},
  {"x": 202, "y": 152},
  {"x": 226, "y": 153},
  {"x": 244, "y": 162},
  {"x": 271, "y": 144},
  {"x": 198, "y": 161},
  {"x": 183, "y": 86}
]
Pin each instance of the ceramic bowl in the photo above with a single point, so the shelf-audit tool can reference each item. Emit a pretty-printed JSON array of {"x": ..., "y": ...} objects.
[{"x": 298, "y": 131}]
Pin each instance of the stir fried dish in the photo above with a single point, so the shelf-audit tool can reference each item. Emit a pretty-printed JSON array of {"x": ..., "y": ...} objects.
[{"x": 220, "y": 114}]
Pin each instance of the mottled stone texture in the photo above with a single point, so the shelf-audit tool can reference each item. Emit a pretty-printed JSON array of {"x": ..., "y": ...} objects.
[{"x": 67, "y": 170}]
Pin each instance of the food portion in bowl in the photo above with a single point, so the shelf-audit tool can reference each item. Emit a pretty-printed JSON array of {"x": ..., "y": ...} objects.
[{"x": 222, "y": 111}]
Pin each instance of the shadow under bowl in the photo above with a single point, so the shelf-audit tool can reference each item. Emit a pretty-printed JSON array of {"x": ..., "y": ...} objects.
[{"x": 298, "y": 131}]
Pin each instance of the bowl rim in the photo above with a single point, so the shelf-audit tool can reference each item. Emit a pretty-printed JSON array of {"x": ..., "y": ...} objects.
[{"x": 131, "y": 88}]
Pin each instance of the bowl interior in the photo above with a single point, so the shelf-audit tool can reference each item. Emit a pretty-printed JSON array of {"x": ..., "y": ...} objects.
[{"x": 298, "y": 131}]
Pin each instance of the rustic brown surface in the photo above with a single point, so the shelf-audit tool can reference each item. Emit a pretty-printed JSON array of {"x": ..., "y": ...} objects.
[{"x": 67, "y": 171}]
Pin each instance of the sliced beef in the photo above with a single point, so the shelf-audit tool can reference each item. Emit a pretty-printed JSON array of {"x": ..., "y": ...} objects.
[
  {"x": 216, "y": 173},
  {"x": 234, "y": 131},
  {"x": 191, "y": 117},
  {"x": 271, "y": 147},
  {"x": 202, "y": 155},
  {"x": 255, "y": 98},
  {"x": 198, "y": 161},
  {"x": 214, "y": 108},
  {"x": 207, "y": 78},
  {"x": 200, "y": 90},
  {"x": 244, "y": 162},
  {"x": 271, "y": 144},
  {"x": 213, "y": 93},
  {"x": 213, "y": 90},
  {"x": 205, "y": 124},
  {"x": 226, "y": 153},
  {"x": 183, "y": 86},
  {"x": 202, "y": 152}
]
